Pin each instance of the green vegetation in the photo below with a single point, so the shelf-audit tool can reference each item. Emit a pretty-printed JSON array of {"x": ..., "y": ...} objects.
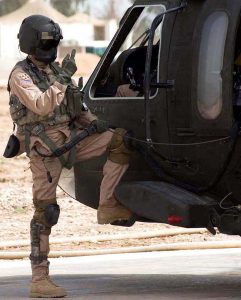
[
  {"x": 67, "y": 8},
  {"x": 7, "y": 6}
]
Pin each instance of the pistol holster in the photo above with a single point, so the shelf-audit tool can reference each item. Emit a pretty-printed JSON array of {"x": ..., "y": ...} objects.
[{"x": 12, "y": 147}]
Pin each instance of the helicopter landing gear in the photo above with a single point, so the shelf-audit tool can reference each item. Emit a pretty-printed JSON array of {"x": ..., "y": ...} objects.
[{"x": 229, "y": 222}]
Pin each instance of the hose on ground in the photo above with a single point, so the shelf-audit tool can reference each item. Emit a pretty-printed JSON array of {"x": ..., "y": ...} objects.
[
  {"x": 108, "y": 237},
  {"x": 165, "y": 247}
]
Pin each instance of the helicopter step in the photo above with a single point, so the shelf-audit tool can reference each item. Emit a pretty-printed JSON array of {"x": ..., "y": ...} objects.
[{"x": 165, "y": 203}]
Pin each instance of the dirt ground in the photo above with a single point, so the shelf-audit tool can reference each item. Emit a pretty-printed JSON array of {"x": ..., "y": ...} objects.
[{"x": 76, "y": 220}]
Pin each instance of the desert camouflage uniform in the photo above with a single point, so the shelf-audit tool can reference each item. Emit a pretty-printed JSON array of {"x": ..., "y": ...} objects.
[{"x": 44, "y": 192}]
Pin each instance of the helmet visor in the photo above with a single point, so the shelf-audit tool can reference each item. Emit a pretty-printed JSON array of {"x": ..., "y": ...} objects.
[
  {"x": 48, "y": 44},
  {"x": 50, "y": 39}
]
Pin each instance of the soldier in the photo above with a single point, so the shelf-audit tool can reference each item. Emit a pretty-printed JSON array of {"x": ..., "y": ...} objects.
[
  {"x": 125, "y": 91},
  {"x": 47, "y": 108}
]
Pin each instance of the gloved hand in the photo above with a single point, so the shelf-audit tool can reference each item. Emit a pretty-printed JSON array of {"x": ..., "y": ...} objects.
[
  {"x": 63, "y": 78},
  {"x": 69, "y": 64},
  {"x": 61, "y": 75},
  {"x": 101, "y": 125}
]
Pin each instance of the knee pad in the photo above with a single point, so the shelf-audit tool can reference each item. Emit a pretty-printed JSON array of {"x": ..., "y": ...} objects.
[
  {"x": 51, "y": 214},
  {"x": 46, "y": 212},
  {"x": 117, "y": 150}
]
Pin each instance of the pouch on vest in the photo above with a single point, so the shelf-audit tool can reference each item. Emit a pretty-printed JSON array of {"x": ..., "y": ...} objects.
[
  {"x": 74, "y": 101},
  {"x": 17, "y": 109},
  {"x": 12, "y": 148}
]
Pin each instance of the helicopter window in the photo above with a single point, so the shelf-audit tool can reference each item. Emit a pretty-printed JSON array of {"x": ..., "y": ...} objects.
[
  {"x": 122, "y": 72},
  {"x": 211, "y": 57}
]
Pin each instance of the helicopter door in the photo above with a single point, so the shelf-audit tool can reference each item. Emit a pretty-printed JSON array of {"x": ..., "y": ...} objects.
[
  {"x": 114, "y": 92},
  {"x": 200, "y": 107}
]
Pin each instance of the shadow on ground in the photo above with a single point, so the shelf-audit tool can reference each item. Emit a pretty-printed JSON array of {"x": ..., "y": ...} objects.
[{"x": 120, "y": 287}]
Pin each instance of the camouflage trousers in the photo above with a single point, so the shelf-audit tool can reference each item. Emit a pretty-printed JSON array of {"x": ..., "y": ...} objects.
[{"x": 43, "y": 190}]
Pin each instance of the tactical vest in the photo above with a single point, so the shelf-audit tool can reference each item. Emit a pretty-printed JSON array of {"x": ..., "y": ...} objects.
[
  {"x": 21, "y": 115},
  {"x": 29, "y": 123}
]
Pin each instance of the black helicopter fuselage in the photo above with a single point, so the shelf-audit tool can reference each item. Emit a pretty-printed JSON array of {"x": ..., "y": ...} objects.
[{"x": 186, "y": 167}]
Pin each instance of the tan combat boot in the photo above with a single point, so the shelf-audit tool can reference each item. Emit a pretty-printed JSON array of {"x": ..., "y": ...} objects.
[
  {"x": 46, "y": 288},
  {"x": 107, "y": 215}
]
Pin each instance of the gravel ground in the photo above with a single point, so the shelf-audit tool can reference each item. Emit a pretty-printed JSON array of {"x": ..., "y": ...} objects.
[{"x": 76, "y": 220}]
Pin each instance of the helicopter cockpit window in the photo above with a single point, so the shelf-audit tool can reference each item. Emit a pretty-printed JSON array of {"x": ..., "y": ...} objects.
[
  {"x": 122, "y": 72},
  {"x": 211, "y": 56}
]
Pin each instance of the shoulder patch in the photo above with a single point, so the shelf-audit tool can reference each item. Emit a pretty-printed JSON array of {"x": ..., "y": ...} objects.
[
  {"x": 23, "y": 76},
  {"x": 24, "y": 80}
]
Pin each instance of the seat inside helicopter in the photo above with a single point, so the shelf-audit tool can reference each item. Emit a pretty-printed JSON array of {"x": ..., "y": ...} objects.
[
  {"x": 124, "y": 65},
  {"x": 128, "y": 69}
]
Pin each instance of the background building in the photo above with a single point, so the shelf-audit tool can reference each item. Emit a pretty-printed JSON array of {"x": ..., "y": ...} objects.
[{"x": 80, "y": 31}]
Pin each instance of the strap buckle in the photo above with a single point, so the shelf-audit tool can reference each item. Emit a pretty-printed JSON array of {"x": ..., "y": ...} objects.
[
  {"x": 91, "y": 129},
  {"x": 38, "y": 129}
]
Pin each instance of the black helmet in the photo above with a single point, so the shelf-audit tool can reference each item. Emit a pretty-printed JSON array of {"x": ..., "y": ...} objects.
[{"x": 40, "y": 36}]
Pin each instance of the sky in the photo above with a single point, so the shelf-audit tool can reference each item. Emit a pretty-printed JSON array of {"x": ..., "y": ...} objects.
[{"x": 96, "y": 5}]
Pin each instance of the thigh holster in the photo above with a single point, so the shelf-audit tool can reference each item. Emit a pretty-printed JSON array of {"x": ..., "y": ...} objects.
[
  {"x": 46, "y": 215},
  {"x": 37, "y": 256},
  {"x": 117, "y": 150}
]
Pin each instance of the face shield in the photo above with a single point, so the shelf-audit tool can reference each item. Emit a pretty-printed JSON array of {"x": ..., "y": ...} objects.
[{"x": 46, "y": 50}]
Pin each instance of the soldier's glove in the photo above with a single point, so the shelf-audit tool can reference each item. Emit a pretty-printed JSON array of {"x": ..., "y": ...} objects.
[
  {"x": 69, "y": 64},
  {"x": 63, "y": 78},
  {"x": 61, "y": 75},
  {"x": 100, "y": 125}
]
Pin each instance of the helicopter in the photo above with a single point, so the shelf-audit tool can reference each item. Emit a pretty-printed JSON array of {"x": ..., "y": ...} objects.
[{"x": 179, "y": 58}]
